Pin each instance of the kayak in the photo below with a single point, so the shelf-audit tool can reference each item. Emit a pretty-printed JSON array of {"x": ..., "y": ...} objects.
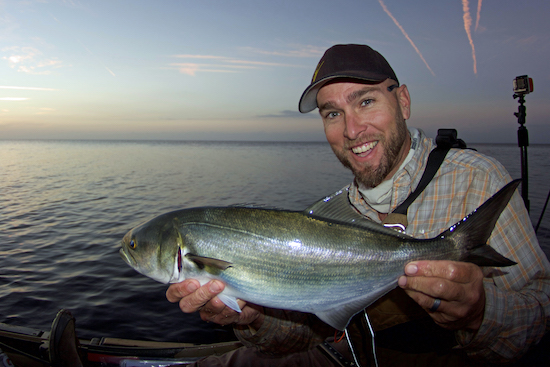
[{"x": 28, "y": 347}]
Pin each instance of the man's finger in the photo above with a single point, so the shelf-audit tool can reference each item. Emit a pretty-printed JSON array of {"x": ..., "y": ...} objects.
[
  {"x": 460, "y": 272},
  {"x": 432, "y": 287},
  {"x": 177, "y": 291},
  {"x": 194, "y": 301}
]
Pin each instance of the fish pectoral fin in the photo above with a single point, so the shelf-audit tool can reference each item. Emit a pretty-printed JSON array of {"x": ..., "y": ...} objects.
[
  {"x": 203, "y": 262},
  {"x": 230, "y": 302},
  {"x": 337, "y": 318}
]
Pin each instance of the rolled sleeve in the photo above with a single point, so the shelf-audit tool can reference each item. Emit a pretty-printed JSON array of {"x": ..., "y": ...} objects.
[{"x": 284, "y": 332}]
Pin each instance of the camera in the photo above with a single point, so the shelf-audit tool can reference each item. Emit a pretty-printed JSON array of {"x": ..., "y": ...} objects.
[{"x": 523, "y": 85}]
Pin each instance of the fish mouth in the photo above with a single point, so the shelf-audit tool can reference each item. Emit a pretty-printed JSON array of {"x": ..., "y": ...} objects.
[
  {"x": 364, "y": 148},
  {"x": 127, "y": 257}
]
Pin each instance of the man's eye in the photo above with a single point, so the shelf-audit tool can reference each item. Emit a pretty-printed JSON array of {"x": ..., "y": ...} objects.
[
  {"x": 367, "y": 102},
  {"x": 332, "y": 115}
]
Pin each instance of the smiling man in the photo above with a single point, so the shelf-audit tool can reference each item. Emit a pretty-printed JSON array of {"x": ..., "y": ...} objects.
[
  {"x": 443, "y": 313},
  {"x": 365, "y": 126}
]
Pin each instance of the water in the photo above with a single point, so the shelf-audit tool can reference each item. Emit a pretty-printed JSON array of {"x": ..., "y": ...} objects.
[
  {"x": 65, "y": 205},
  {"x": 539, "y": 179}
]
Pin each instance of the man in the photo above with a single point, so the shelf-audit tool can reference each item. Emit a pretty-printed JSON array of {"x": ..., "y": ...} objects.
[{"x": 450, "y": 312}]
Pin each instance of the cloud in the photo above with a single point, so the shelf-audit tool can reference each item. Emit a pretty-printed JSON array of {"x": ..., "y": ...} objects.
[
  {"x": 17, "y": 99},
  {"x": 189, "y": 69},
  {"x": 45, "y": 110},
  {"x": 188, "y": 56},
  {"x": 528, "y": 40},
  {"x": 291, "y": 114},
  {"x": 224, "y": 64},
  {"x": 192, "y": 68},
  {"x": 27, "y": 88},
  {"x": 29, "y": 60},
  {"x": 259, "y": 63},
  {"x": 299, "y": 52}
]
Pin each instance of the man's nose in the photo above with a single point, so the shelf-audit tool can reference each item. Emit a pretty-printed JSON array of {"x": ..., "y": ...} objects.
[{"x": 354, "y": 125}]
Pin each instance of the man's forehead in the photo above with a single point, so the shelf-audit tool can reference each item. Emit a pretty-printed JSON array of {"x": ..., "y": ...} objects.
[
  {"x": 356, "y": 81},
  {"x": 356, "y": 88}
]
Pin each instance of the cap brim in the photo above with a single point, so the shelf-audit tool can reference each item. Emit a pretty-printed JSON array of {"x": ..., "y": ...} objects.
[{"x": 308, "y": 101}]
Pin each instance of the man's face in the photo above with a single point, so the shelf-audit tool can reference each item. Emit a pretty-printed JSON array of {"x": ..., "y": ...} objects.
[{"x": 365, "y": 126}]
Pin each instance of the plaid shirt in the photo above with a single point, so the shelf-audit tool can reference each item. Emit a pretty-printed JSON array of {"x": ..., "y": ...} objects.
[{"x": 517, "y": 301}]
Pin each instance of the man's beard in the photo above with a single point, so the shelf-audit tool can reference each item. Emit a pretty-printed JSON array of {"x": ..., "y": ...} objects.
[{"x": 371, "y": 177}]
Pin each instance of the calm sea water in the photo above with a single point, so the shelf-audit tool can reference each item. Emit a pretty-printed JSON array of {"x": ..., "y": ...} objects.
[{"x": 65, "y": 206}]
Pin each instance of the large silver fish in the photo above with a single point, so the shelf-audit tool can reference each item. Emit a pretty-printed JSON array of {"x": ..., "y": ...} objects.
[{"x": 327, "y": 260}]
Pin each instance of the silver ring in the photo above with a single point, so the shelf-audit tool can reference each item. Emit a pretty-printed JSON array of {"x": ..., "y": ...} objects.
[{"x": 436, "y": 304}]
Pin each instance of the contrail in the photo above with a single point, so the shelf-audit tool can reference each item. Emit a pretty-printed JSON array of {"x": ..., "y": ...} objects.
[
  {"x": 467, "y": 26},
  {"x": 97, "y": 58},
  {"x": 27, "y": 88},
  {"x": 478, "y": 14},
  {"x": 406, "y": 35}
]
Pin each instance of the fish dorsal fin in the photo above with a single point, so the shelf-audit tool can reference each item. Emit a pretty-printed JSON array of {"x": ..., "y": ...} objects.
[
  {"x": 203, "y": 262},
  {"x": 339, "y": 316},
  {"x": 337, "y": 208}
]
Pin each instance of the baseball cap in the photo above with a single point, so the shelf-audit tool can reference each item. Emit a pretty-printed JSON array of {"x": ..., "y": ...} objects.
[{"x": 346, "y": 61}]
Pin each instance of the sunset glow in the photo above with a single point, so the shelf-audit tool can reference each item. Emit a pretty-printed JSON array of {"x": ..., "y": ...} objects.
[{"x": 231, "y": 71}]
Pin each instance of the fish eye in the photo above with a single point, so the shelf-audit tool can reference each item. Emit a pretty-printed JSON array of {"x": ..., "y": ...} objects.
[{"x": 133, "y": 244}]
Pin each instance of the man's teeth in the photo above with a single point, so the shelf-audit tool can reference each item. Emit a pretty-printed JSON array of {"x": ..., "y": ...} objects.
[{"x": 363, "y": 148}]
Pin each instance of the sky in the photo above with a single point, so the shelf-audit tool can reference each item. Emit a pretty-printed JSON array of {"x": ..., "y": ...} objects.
[{"x": 235, "y": 70}]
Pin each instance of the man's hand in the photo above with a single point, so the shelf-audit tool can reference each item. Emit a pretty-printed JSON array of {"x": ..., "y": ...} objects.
[
  {"x": 192, "y": 297},
  {"x": 459, "y": 285}
]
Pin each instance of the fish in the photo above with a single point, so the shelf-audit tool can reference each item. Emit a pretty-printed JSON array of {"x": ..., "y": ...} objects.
[{"x": 327, "y": 260}]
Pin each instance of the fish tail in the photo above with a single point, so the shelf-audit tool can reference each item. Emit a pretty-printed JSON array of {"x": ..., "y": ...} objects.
[{"x": 472, "y": 232}]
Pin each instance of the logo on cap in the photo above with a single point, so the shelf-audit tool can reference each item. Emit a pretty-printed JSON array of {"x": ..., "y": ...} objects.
[{"x": 317, "y": 70}]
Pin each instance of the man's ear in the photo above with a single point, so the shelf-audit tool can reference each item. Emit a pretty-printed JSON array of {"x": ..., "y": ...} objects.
[{"x": 404, "y": 100}]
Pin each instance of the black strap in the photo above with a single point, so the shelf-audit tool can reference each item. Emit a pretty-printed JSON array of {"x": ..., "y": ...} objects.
[
  {"x": 445, "y": 140},
  {"x": 434, "y": 162}
]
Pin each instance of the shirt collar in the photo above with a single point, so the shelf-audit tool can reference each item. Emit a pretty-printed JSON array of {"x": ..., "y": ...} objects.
[{"x": 403, "y": 182}]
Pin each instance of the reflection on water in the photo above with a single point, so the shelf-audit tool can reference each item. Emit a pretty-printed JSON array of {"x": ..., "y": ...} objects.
[{"x": 65, "y": 205}]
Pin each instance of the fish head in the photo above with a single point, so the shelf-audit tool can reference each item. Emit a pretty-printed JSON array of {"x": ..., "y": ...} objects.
[{"x": 154, "y": 249}]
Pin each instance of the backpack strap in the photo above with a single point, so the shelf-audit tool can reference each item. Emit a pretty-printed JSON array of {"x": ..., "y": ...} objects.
[{"x": 445, "y": 140}]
